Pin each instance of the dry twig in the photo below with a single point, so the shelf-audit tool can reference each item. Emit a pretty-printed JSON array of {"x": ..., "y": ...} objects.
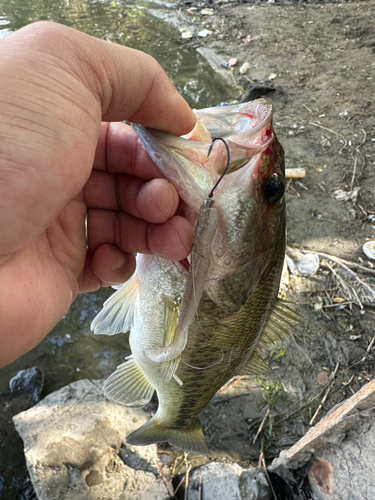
[{"x": 333, "y": 374}]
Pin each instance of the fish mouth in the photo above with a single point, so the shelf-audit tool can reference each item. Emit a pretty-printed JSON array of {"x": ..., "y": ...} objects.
[{"x": 247, "y": 131}]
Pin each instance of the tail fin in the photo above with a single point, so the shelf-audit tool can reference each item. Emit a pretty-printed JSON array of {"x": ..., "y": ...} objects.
[{"x": 189, "y": 439}]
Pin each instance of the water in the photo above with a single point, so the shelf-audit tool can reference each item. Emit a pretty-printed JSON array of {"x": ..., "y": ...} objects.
[
  {"x": 71, "y": 351},
  {"x": 130, "y": 24}
]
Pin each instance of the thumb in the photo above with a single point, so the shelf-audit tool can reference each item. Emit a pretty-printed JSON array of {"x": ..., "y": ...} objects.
[{"x": 129, "y": 84}]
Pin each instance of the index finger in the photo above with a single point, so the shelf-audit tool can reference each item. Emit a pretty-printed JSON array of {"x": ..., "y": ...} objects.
[{"x": 120, "y": 151}]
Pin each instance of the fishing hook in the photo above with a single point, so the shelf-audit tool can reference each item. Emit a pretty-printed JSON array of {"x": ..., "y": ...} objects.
[{"x": 226, "y": 166}]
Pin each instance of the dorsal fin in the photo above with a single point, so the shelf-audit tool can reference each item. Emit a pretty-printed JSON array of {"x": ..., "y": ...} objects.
[
  {"x": 255, "y": 366},
  {"x": 119, "y": 311},
  {"x": 279, "y": 322}
]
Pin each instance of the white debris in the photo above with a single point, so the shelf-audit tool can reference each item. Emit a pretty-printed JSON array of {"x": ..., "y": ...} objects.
[
  {"x": 204, "y": 33},
  {"x": 341, "y": 195},
  {"x": 244, "y": 68},
  {"x": 369, "y": 249}
]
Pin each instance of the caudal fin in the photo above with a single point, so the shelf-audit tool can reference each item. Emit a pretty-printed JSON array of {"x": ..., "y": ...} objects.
[{"x": 189, "y": 439}]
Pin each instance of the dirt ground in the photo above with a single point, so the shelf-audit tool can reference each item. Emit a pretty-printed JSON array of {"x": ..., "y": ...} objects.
[{"x": 319, "y": 61}]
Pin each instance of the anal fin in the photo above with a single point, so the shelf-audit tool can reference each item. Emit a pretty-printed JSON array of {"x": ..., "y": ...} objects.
[{"x": 128, "y": 385}]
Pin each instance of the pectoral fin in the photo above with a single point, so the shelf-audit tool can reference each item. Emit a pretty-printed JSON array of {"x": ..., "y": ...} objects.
[
  {"x": 128, "y": 385},
  {"x": 119, "y": 311},
  {"x": 168, "y": 356}
]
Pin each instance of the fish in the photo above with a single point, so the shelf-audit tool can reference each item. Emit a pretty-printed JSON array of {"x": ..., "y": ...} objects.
[{"x": 195, "y": 325}]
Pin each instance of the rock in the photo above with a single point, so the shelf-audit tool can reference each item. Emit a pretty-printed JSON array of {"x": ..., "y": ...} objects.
[
  {"x": 222, "y": 481},
  {"x": 214, "y": 60},
  {"x": 27, "y": 384},
  {"x": 338, "y": 452},
  {"x": 75, "y": 448}
]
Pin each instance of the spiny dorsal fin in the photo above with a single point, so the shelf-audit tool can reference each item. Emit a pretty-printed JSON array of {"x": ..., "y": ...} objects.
[
  {"x": 280, "y": 321},
  {"x": 119, "y": 311},
  {"x": 128, "y": 385}
]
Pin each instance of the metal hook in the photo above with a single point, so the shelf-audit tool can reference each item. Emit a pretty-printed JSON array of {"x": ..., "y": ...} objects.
[{"x": 226, "y": 166}]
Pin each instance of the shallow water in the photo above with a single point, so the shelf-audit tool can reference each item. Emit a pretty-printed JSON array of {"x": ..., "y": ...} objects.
[{"x": 71, "y": 351}]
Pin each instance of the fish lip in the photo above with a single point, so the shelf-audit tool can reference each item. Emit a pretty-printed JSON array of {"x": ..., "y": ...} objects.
[{"x": 261, "y": 114}]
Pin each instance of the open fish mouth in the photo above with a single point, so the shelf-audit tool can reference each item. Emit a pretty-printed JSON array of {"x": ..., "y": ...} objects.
[{"x": 185, "y": 161}]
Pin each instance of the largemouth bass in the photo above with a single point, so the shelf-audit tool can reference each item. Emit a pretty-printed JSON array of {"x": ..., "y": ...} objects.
[{"x": 238, "y": 311}]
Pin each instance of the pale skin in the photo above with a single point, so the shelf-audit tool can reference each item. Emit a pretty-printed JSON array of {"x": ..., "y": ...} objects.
[{"x": 64, "y": 154}]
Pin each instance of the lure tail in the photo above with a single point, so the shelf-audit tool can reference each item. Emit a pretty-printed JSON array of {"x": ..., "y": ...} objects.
[{"x": 189, "y": 439}]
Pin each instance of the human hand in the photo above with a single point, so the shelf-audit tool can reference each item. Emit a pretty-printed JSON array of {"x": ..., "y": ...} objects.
[{"x": 61, "y": 156}]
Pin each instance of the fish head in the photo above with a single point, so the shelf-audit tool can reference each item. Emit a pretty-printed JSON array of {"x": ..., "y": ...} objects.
[{"x": 249, "y": 194}]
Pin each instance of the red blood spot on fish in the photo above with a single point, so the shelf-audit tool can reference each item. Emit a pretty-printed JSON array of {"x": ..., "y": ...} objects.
[{"x": 185, "y": 264}]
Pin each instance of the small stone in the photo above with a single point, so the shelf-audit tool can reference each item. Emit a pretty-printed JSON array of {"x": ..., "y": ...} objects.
[
  {"x": 244, "y": 68},
  {"x": 222, "y": 481},
  {"x": 27, "y": 384},
  {"x": 322, "y": 378},
  {"x": 204, "y": 33}
]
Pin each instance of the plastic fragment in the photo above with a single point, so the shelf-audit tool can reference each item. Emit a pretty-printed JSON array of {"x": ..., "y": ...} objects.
[
  {"x": 369, "y": 249},
  {"x": 302, "y": 264}
]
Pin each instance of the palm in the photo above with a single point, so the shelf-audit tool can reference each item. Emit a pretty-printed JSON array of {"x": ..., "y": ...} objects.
[{"x": 42, "y": 279}]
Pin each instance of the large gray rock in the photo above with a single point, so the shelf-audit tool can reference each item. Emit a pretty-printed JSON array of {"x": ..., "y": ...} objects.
[
  {"x": 219, "y": 481},
  {"x": 75, "y": 448}
]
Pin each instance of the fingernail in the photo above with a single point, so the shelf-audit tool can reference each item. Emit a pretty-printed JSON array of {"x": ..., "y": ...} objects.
[{"x": 118, "y": 261}]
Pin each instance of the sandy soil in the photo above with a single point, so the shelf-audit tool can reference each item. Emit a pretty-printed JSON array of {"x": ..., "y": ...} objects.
[{"x": 319, "y": 58}]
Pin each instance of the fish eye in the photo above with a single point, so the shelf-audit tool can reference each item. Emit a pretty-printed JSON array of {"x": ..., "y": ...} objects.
[{"x": 274, "y": 188}]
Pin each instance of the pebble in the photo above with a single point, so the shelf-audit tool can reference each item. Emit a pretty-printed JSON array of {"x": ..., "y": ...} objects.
[{"x": 244, "y": 68}]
